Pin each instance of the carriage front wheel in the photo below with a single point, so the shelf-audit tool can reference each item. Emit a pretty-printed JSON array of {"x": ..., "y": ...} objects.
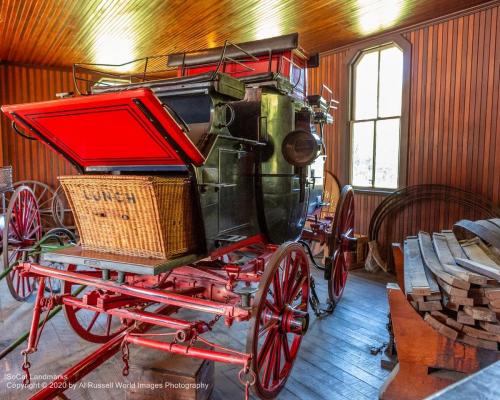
[
  {"x": 280, "y": 319},
  {"x": 21, "y": 231},
  {"x": 340, "y": 245}
]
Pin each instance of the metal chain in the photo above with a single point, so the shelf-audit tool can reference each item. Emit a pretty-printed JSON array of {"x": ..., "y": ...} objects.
[
  {"x": 247, "y": 382},
  {"x": 316, "y": 304},
  {"x": 313, "y": 297},
  {"x": 125, "y": 358},
  {"x": 210, "y": 324},
  {"x": 26, "y": 368},
  {"x": 49, "y": 306}
]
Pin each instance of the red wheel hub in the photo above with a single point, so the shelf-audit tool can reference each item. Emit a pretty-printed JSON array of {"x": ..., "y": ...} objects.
[{"x": 294, "y": 321}]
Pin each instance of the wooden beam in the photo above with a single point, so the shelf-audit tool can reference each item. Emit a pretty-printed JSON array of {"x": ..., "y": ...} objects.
[
  {"x": 480, "y": 313},
  {"x": 447, "y": 260},
  {"x": 432, "y": 262},
  {"x": 440, "y": 327},
  {"x": 415, "y": 278},
  {"x": 476, "y": 253},
  {"x": 482, "y": 269},
  {"x": 455, "y": 248},
  {"x": 490, "y": 327}
]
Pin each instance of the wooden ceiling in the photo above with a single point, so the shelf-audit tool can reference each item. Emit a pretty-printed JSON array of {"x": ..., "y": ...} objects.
[{"x": 60, "y": 32}]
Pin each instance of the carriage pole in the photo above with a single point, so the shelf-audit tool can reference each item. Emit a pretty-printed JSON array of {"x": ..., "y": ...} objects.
[{"x": 21, "y": 339}]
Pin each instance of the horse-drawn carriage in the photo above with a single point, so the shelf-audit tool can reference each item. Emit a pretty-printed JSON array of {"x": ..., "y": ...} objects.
[{"x": 193, "y": 193}]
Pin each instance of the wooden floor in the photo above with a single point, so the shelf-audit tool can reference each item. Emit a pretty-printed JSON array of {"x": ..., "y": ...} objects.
[{"x": 334, "y": 360}]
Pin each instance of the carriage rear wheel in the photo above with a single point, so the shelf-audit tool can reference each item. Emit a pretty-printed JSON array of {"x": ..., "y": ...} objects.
[
  {"x": 54, "y": 239},
  {"x": 340, "y": 243},
  {"x": 44, "y": 195},
  {"x": 61, "y": 211},
  {"x": 22, "y": 230},
  {"x": 280, "y": 319},
  {"x": 93, "y": 326}
]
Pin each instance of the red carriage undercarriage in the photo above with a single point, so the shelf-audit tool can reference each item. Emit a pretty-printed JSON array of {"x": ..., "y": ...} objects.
[
  {"x": 127, "y": 305},
  {"x": 124, "y": 304},
  {"x": 115, "y": 299}
]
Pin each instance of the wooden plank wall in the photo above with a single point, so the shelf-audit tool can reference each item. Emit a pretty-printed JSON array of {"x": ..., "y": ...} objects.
[
  {"x": 453, "y": 121},
  {"x": 31, "y": 159}
]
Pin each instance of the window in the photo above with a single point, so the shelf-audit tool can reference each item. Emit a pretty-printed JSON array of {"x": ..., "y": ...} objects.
[{"x": 375, "y": 121}]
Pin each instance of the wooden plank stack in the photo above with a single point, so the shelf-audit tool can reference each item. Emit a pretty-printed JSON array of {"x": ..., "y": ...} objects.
[{"x": 455, "y": 286}]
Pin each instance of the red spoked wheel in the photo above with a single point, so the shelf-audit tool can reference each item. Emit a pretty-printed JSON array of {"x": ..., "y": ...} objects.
[
  {"x": 45, "y": 196},
  {"x": 340, "y": 245},
  {"x": 280, "y": 319},
  {"x": 93, "y": 326},
  {"x": 21, "y": 231}
]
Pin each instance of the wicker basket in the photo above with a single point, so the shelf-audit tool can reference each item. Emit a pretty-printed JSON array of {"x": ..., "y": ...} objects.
[{"x": 141, "y": 216}]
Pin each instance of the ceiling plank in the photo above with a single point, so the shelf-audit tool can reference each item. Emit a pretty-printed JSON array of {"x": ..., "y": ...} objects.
[{"x": 61, "y": 32}]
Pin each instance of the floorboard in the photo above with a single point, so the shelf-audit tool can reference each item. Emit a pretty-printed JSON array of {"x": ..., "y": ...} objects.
[{"x": 334, "y": 360}]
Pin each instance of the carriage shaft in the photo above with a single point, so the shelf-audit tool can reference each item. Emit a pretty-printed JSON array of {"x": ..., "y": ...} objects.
[
  {"x": 157, "y": 296},
  {"x": 228, "y": 357}
]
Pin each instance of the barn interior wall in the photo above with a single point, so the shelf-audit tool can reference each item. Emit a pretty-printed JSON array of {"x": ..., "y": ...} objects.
[{"x": 453, "y": 135}]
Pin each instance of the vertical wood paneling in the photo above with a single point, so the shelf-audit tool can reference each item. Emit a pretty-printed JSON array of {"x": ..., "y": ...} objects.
[
  {"x": 31, "y": 159},
  {"x": 453, "y": 119}
]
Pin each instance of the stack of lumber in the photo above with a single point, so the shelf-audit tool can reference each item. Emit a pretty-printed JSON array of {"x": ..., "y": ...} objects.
[{"x": 455, "y": 285}]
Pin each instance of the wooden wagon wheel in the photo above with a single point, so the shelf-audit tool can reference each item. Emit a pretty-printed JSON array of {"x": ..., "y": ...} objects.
[
  {"x": 331, "y": 196},
  {"x": 340, "y": 244},
  {"x": 484, "y": 229},
  {"x": 61, "y": 211},
  {"x": 54, "y": 239},
  {"x": 22, "y": 230},
  {"x": 93, "y": 326},
  {"x": 280, "y": 319},
  {"x": 44, "y": 196}
]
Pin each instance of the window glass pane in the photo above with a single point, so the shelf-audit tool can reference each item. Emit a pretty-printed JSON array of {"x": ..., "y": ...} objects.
[
  {"x": 391, "y": 82},
  {"x": 387, "y": 154},
  {"x": 362, "y": 153},
  {"x": 365, "y": 100}
]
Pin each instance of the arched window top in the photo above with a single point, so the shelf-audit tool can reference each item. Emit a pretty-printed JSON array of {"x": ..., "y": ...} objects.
[{"x": 378, "y": 82}]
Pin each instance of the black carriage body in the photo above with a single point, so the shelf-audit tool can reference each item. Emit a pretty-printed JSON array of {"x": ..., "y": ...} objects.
[{"x": 245, "y": 186}]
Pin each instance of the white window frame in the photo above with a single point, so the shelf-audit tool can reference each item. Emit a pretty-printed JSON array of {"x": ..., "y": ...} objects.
[{"x": 353, "y": 57}]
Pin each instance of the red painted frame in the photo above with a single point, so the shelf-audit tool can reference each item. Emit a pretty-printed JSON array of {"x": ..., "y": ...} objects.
[{"x": 205, "y": 287}]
